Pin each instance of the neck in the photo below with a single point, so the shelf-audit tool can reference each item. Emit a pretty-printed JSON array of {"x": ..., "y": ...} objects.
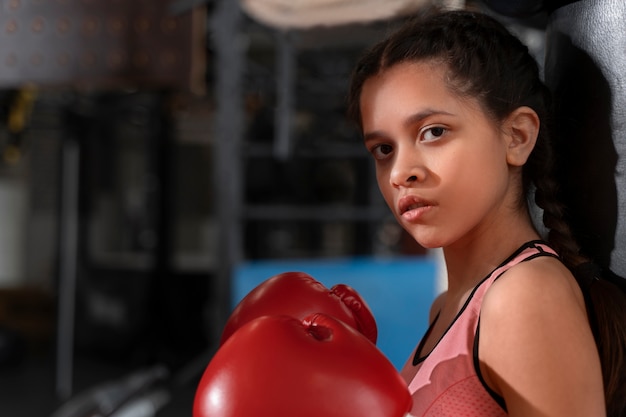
[{"x": 470, "y": 261}]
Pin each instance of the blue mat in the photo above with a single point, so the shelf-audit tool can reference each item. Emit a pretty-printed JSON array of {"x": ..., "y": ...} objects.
[{"x": 399, "y": 291}]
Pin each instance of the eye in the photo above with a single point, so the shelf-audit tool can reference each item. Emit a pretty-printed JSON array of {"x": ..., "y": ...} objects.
[
  {"x": 381, "y": 151},
  {"x": 433, "y": 133}
]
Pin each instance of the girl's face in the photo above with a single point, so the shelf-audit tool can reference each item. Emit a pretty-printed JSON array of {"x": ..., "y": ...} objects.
[{"x": 441, "y": 163}]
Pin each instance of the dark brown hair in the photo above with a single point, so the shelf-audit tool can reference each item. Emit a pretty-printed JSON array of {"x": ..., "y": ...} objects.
[{"x": 486, "y": 62}]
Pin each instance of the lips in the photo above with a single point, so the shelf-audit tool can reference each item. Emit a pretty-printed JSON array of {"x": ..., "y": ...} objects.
[{"x": 412, "y": 207}]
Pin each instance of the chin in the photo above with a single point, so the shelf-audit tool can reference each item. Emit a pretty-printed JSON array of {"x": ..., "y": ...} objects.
[
  {"x": 429, "y": 245},
  {"x": 427, "y": 236},
  {"x": 428, "y": 242}
]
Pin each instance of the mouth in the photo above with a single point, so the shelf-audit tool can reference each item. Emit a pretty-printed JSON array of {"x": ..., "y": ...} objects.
[{"x": 412, "y": 205}]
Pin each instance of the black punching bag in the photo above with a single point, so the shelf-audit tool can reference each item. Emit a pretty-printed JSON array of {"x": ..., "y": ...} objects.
[
  {"x": 586, "y": 70},
  {"x": 585, "y": 67}
]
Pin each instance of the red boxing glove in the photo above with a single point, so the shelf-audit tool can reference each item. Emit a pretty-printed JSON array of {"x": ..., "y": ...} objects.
[
  {"x": 298, "y": 295},
  {"x": 279, "y": 366}
]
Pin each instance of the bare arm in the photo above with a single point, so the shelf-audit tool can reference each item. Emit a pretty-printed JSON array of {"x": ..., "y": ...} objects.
[{"x": 536, "y": 348}]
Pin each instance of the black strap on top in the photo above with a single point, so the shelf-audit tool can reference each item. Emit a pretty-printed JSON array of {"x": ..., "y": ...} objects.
[
  {"x": 417, "y": 357},
  {"x": 586, "y": 273},
  {"x": 589, "y": 273},
  {"x": 614, "y": 279}
]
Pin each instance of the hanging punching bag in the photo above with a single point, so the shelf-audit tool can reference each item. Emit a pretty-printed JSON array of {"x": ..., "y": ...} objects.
[{"x": 585, "y": 67}]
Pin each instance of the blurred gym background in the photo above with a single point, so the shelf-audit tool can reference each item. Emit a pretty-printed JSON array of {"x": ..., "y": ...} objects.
[{"x": 151, "y": 153}]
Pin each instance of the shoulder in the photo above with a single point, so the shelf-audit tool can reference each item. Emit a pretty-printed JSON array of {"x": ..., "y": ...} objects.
[
  {"x": 534, "y": 297},
  {"x": 543, "y": 282},
  {"x": 533, "y": 330}
]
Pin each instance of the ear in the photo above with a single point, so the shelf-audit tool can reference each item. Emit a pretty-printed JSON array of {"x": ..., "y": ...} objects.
[{"x": 522, "y": 128}]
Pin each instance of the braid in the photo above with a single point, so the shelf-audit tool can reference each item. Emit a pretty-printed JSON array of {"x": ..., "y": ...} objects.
[
  {"x": 559, "y": 233},
  {"x": 539, "y": 171}
]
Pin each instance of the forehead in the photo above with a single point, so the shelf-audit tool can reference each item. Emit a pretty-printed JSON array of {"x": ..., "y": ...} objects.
[
  {"x": 407, "y": 87},
  {"x": 407, "y": 73}
]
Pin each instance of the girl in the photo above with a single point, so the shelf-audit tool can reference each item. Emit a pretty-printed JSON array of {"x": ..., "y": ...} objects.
[{"x": 453, "y": 112}]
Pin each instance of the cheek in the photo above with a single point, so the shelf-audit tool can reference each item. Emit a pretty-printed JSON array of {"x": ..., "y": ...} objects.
[
  {"x": 385, "y": 188},
  {"x": 477, "y": 184},
  {"x": 483, "y": 163},
  {"x": 382, "y": 178}
]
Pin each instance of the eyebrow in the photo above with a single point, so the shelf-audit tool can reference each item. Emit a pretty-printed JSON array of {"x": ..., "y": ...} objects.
[
  {"x": 411, "y": 120},
  {"x": 418, "y": 117}
]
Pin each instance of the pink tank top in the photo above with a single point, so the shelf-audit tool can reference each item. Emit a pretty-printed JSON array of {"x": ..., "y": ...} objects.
[{"x": 448, "y": 380}]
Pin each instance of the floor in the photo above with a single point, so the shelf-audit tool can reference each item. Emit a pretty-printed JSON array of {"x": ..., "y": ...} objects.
[{"x": 27, "y": 389}]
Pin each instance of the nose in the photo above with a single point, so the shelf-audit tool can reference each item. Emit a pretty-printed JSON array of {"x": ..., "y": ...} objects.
[{"x": 407, "y": 170}]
